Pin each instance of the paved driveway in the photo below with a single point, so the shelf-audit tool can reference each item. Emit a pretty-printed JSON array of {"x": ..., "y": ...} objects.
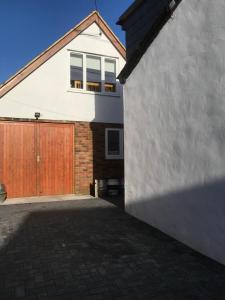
[{"x": 90, "y": 249}]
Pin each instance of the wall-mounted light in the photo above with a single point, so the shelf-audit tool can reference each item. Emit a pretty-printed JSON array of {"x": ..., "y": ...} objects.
[{"x": 37, "y": 115}]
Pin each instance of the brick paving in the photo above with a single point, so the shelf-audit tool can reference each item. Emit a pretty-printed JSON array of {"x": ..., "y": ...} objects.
[{"x": 90, "y": 249}]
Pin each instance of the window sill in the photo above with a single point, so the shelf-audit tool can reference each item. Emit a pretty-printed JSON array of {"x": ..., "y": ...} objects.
[
  {"x": 114, "y": 157},
  {"x": 79, "y": 91}
]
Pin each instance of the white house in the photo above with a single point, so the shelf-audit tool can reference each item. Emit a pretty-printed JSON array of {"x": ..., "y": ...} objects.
[
  {"x": 174, "y": 119},
  {"x": 61, "y": 116}
]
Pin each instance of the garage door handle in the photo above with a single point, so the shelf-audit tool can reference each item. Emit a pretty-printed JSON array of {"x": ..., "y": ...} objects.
[{"x": 38, "y": 158}]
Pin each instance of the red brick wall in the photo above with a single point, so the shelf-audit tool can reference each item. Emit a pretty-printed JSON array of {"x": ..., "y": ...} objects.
[{"x": 90, "y": 162}]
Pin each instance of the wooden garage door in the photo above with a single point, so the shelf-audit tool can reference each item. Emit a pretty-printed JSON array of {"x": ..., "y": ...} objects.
[
  {"x": 36, "y": 158},
  {"x": 17, "y": 158},
  {"x": 55, "y": 159}
]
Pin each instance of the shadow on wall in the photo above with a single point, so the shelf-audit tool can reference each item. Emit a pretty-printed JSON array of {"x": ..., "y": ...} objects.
[
  {"x": 194, "y": 216},
  {"x": 98, "y": 251},
  {"x": 106, "y": 108}
]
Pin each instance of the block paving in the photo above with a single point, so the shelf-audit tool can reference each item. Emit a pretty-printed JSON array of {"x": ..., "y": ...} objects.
[{"x": 91, "y": 249}]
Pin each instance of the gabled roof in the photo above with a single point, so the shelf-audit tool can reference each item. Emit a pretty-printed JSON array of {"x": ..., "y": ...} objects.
[{"x": 58, "y": 45}]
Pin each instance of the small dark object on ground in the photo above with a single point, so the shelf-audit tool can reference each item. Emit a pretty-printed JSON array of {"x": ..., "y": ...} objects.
[{"x": 2, "y": 192}]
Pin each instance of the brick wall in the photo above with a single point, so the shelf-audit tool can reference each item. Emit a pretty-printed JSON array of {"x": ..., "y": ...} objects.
[{"x": 90, "y": 162}]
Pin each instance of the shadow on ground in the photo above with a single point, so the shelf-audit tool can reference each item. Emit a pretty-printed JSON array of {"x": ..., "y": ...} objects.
[
  {"x": 116, "y": 200},
  {"x": 90, "y": 249}
]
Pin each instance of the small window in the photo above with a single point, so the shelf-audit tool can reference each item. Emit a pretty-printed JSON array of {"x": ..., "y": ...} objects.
[
  {"x": 76, "y": 71},
  {"x": 114, "y": 143},
  {"x": 110, "y": 75},
  {"x": 93, "y": 73}
]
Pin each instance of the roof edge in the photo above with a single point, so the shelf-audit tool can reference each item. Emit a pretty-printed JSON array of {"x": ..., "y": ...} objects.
[
  {"x": 144, "y": 45},
  {"x": 129, "y": 11},
  {"x": 43, "y": 52},
  {"x": 40, "y": 59},
  {"x": 147, "y": 40}
]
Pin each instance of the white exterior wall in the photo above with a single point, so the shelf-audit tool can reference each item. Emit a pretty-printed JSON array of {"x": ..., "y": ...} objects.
[
  {"x": 47, "y": 89},
  {"x": 174, "y": 104}
]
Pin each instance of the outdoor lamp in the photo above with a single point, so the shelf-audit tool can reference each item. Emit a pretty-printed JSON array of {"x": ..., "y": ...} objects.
[{"x": 37, "y": 115}]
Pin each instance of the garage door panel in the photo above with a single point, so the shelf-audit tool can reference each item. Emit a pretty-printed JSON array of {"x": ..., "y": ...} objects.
[
  {"x": 18, "y": 163},
  {"x": 56, "y": 159}
]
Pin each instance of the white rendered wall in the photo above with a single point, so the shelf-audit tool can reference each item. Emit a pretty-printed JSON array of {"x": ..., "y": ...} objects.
[
  {"x": 174, "y": 104},
  {"x": 47, "y": 90}
]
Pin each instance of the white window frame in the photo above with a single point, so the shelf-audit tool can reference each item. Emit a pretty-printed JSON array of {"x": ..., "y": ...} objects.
[
  {"x": 84, "y": 90},
  {"x": 121, "y": 146},
  {"x": 84, "y": 73}
]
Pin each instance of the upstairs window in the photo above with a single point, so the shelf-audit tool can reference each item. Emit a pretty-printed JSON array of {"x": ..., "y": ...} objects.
[
  {"x": 93, "y": 67},
  {"x": 93, "y": 73},
  {"x": 76, "y": 71},
  {"x": 114, "y": 143},
  {"x": 110, "y": 75}
]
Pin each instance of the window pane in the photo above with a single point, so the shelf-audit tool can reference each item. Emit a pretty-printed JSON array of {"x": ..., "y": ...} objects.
[
  {"x": 76, "y": 71},
  {"x": 110, "y": 66},
  {"x": 110, "y": 75},
  {"x": 93, "y": 73},
  {"x": 113, "y": 142},
  {"x": 110, "y": 87}
]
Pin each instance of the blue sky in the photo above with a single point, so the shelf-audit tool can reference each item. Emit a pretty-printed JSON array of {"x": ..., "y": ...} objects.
[{"x": 27, "y": 27}]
